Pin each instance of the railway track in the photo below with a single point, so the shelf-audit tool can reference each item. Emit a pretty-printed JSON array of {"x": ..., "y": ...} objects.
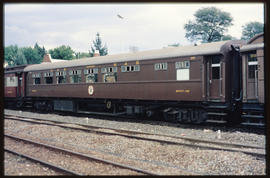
[
  {"x": 254, "y": 150},
  {"x": 68, "y": 152},
  {"x": 245, "y": 126},
  {"x": 45, "y": 163}
]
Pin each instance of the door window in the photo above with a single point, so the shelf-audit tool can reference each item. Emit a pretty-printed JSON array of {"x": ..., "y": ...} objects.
[
  {"x": 215, "y": 67},
  {"x": 252, "y": 65}
]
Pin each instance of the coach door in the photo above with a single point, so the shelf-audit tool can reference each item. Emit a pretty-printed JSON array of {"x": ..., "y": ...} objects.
[
  {"x": 20, "y": 85},
  {"x": 213, "y": 75},
  {"x": 252, "y": 77}
]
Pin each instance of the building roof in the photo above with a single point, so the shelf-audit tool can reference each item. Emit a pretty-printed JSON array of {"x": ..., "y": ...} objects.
[
  {"x": 47, "y": 58},
  {"x": 191, "y": 50}
]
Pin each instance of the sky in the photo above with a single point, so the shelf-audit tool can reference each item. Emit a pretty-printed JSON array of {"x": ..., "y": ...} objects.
[{"x": 144, "y": 25}]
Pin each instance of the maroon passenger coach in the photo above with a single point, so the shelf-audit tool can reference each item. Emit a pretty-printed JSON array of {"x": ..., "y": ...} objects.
[{"x": 186, "y": 84}]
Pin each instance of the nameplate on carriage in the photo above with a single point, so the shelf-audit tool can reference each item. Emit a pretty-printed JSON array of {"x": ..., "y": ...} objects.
[
  {"x": 182, "y": 91},
  {"x": 34, "y": 91}
]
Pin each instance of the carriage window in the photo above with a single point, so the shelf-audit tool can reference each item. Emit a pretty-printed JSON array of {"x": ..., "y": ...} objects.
[
  {"x": 11, "y": 81},
  {"x": 251, "y": 71},
  {"x": 91, "y": 75},
  {"x": 103, "y": 70},
  {"x": 48, "y": 77},
  {"x": 137, "y": 68},
  {"x": 48, "y": 80},
  {"x": 91, "y": 71},
  {"x": 60, "y": 77},
  {"x": 108, "y": 69},
  {"x": 161, "y": 66},
  {"x": 75, "y": 76},
  {"x": 133, "y": 68},
  {"x": 110, "y": 74},
  {"x": 252, "y": 56},
  {"x": 182, "y": 65},
  {"x": 36, "y": 78},
  {"x": 123, "y": 68},
  {"x": 36, "y": 81},
  {"x": 75, "y": 79},
  {"x": 91, "y": 78},
  {"x": 110, "y": 77},
  {"x": 252, "y": 64},
  {"x": 182, "y": 70},
  {"x": 215, "y": 72},
  {"x": 215, "y": 67}
]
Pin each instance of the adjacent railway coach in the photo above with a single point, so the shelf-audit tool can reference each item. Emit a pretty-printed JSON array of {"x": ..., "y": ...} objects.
[{"x": 253, "y": 79}]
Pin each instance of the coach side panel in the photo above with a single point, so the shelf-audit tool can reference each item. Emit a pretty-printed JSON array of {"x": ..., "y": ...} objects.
[{"x": 181, "y": 81}]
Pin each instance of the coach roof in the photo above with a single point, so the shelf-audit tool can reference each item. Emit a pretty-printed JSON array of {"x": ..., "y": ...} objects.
[
  {"x": 250, "y": 47},
  {"x": 191, "y": 50}
]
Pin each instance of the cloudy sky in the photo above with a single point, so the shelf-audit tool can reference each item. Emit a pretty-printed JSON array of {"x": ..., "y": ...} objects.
[{"x": 146, "y": 26}]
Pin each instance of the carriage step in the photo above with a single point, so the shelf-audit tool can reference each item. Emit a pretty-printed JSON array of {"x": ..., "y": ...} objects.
[
  {"x": 252, "y": 116},
  {"x": 217, "y": 113}
]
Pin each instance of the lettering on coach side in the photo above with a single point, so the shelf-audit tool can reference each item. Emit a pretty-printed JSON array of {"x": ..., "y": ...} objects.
[{"x": 182, "y": 91}]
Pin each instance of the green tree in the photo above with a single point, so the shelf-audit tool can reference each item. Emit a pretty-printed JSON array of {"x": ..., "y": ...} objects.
[
  {"x": 32, "y": 56},
  {"x": 103, "y": 50},
  {"x": 251, "y": 29},
  {"x": 10, "y": 54},
  {"x": 20, "y": 58},
  {"x": 80, "y": 55},
  {"x": 227, "y": 37},
  {"x": 209, "y": 25},
  {"x": 14, "y": 55},
  {"x": 41, "y": 51},
  {"x": 62, "y": 52}
]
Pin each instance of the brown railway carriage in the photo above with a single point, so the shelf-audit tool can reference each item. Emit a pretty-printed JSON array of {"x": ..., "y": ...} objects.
[
  {"x": 180, "y": 81},
  {"x": 253, "y": 70},
  {"x": 14, "y": 83},
  {"x": 183, "y": 82},
  {"x": 253, "y": 79}
]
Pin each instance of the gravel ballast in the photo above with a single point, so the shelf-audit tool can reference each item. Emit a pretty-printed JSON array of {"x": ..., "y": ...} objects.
[{"x": 205, "y": 162}]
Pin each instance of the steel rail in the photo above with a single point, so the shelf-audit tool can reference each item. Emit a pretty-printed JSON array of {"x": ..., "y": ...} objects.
[
  {"x": 52, "y": 166},
  {"x": 82, "y": 155},
  {"x": 193, "y": 140},
  {"x": 260, "y": 155}
]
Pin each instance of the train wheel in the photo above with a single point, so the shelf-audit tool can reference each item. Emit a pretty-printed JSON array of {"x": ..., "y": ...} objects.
[
  {"x": 109, "y": 105},
  {"x": 19, "y": 104},
  {"x": 49, "y": 106},
  {"x": 149, "y": 113}
]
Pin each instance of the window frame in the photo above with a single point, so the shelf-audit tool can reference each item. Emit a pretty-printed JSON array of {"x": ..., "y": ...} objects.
[
  {"x": 161, "y": 66},
  {"x": 130, "y": 68},
  {"x": 75, "y": 75},
  {"x": 36, "y": 77}
]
